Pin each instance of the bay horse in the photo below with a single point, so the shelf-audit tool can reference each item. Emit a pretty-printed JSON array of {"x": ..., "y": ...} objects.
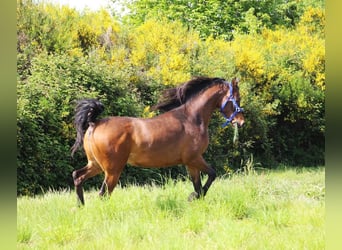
[{"x": 179, "y": 135}]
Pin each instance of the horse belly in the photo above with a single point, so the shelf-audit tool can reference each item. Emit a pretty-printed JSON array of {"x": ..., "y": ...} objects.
[
  {"x": 154, "y": 157},
  {"x": 156, "y": 142}
]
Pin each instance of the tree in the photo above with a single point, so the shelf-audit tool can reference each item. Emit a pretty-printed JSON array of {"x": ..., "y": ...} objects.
[{"x": 219, "y": 18}]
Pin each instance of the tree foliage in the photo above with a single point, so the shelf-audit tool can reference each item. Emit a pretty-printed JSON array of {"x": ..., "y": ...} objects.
[
  {"x": 221, "y": 18},
  {"x": 276, "y": 48}
]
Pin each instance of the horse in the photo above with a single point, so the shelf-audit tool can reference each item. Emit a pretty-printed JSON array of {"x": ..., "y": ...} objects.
[{"x": 178, "y": 135}]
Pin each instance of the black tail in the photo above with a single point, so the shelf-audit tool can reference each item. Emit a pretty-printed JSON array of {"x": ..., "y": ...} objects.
[{"x": 86, "y": 112}]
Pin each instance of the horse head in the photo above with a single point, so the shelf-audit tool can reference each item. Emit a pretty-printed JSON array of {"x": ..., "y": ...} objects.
[{"x": 230, "y": 104}]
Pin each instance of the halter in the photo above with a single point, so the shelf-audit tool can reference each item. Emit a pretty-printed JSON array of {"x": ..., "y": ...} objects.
[{"x": 235, "y": 105}]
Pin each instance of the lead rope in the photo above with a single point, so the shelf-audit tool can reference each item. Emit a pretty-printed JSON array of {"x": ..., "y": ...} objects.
[{"x": 236, "y": 133}]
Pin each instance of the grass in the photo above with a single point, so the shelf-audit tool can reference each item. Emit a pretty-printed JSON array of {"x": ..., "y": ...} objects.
[{"x": 270, "y": 210}]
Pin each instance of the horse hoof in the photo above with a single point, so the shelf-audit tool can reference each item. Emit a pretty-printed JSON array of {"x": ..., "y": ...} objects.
[{"x": 193, "y": 196}]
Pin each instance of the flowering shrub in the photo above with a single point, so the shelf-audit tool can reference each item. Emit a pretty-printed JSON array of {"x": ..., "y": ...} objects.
[{"x": 162, "y": 51}]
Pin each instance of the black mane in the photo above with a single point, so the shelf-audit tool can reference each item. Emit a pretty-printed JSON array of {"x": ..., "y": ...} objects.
[{"x": 175, "y": 97}]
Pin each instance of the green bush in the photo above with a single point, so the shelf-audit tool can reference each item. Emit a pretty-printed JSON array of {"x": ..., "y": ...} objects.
[
  {"x": 64, "y": 55},
  {"x": 45, "y": 106}
]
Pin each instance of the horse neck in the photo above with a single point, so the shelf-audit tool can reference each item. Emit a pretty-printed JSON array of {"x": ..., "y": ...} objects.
[{"x": 205, "y": 104}]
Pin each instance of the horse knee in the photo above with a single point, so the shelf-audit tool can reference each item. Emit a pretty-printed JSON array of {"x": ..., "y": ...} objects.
[
  {"x": 212, "y": 174},
  {"x": 211, "y": 177}
]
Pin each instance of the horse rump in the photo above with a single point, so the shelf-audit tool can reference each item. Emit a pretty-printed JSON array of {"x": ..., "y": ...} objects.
[{"x": 86, "y": 112}]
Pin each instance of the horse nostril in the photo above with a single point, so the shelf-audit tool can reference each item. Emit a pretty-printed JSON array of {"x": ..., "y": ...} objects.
[{"x": 241, "y": 123}]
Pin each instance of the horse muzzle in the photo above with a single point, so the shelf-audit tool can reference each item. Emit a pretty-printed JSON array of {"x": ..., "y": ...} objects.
[{"x": 239, "y": 120}]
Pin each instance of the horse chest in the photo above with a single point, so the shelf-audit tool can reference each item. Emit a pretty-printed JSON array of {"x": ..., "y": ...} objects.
[{"x": 197, "y": 140}]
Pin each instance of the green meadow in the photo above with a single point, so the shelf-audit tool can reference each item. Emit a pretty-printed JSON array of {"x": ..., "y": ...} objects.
[{"x": 271, "y": 209}]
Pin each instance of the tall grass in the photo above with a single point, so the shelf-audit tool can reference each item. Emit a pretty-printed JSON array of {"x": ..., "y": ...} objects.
[{"x": 269, "y": 210}]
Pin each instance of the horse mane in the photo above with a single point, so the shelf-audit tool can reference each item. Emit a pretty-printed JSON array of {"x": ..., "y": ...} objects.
[{"x": 175, "y": 97}]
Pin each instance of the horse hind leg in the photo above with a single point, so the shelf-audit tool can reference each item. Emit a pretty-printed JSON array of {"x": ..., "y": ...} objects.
[
  {"x": 109, "y": 183},
  {"x": 112, "y": 163},
  {"x": 80, "y": 175},
  {"x": 113, "y": 170}
]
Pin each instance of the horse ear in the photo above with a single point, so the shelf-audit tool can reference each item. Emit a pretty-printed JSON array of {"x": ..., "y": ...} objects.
[{"x": 235, "y": 81}]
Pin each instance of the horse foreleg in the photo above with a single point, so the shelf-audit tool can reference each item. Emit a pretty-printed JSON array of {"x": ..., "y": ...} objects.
[
  {"x": 196, "y": 181},
  {"x": 197, "y": 166},
  {"x": 211, "y": 177}
]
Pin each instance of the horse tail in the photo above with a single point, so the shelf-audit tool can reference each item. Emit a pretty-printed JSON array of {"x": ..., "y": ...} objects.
[{"x": 86, "y": 113}]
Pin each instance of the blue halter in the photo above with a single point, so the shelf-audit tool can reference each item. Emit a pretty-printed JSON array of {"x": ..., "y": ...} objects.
[{"x": 235, "y": 105}]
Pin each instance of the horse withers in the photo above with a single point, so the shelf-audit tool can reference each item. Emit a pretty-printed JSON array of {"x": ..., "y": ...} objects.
[{"x": 179, "y": 135}]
